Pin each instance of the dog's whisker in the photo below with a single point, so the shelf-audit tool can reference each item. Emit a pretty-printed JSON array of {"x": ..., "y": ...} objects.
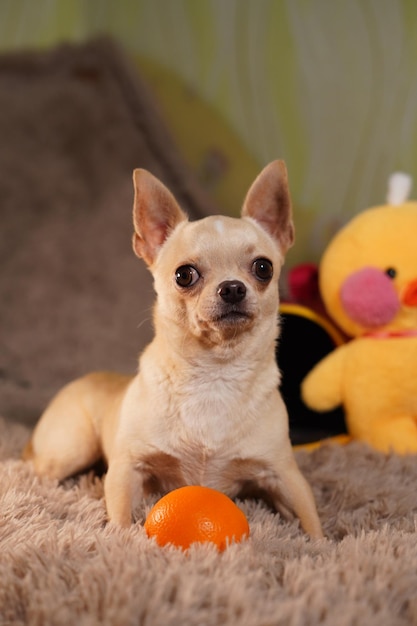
[{"x": 143, "y": 321}]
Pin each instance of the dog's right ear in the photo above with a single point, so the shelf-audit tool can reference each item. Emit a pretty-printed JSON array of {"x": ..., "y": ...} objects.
[{"x": 155, "y": 215}]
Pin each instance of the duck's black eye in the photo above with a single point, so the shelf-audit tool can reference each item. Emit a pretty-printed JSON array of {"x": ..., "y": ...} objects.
[
  {"x": 391, "y": 272},
  {"x": 263, "y": 270},
  {"x": 186, "y": 276}
]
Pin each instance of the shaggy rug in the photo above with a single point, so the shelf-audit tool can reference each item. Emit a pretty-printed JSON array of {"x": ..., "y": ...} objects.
[{"x": 61, "y": 564}]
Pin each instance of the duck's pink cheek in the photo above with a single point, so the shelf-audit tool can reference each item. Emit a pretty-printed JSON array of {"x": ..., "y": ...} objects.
[{"x": 369, "y": 298}]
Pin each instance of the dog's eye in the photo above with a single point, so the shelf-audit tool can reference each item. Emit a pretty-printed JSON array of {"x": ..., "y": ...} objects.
[
  {"x": 186, "y": 276},
  {"x": 263, "y": 270}
]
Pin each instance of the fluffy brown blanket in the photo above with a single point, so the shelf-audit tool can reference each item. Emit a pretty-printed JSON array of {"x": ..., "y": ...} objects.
[{"x": 61, "y": 564}]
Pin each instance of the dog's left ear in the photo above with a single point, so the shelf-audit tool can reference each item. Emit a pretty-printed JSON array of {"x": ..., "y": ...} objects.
[
  {"x": 268, "y": 202},
  {"x": 155, "y": 215}
]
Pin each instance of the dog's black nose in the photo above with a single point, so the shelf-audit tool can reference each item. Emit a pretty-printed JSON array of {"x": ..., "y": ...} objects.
[{"x": 232, "y": 291}]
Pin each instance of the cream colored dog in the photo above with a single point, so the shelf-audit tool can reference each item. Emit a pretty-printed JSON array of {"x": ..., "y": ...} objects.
[{"x": 204, "y": 407}]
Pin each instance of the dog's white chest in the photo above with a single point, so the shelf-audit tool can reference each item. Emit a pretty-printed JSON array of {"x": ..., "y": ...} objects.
[
  {"x": 198, "y": 440},
  {"x": 205, "y": 421},
  {"x": 210, "y": 414},
  {"x": 191, "y": 429}
]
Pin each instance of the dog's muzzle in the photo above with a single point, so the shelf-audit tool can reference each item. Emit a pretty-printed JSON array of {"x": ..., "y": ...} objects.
[{"x": 233, "y": 308}]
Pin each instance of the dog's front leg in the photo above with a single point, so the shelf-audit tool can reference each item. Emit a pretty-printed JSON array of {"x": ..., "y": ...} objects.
[
  {"x": 288, "y": 487},
  {"x": 123, "y": 485}
]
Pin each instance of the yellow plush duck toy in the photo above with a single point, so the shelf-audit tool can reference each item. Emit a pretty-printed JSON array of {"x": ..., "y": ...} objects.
[{"x": 368, "y": 281}]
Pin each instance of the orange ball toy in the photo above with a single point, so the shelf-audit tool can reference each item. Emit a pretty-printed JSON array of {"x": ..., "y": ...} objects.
[{"x": 196, "y": 514}]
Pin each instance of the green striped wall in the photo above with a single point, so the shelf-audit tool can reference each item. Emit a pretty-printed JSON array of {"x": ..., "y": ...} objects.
[{"x": 330, "y": 85}]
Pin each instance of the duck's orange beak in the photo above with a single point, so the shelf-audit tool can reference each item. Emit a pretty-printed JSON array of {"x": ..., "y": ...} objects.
[{"x": 410, "y": 294}]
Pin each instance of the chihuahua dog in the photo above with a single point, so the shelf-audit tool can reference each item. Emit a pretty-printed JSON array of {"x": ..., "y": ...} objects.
[{"x": 205, "y": 406}]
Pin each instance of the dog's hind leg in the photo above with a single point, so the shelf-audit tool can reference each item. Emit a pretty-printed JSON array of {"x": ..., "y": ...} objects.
[
  {"x": 70, "y": 447},
  {"x": 78, "y": 427},
  {"x": 65, "y": 441}
]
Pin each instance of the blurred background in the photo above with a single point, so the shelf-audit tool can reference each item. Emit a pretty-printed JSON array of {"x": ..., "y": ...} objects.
[
  {"x": 203, "y": 93},
  {"x": 328, "y": 85}
]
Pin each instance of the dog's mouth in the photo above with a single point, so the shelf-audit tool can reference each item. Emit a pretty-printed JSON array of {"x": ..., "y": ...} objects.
[
  {"x": 225, "y": 323},
  {"x": 234, "y": 316}
]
